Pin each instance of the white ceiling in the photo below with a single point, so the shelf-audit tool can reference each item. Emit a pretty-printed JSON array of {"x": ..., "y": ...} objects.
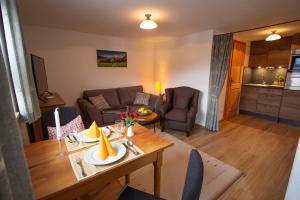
[
  {"x": 261, "y": 34},
  {"x": 174, "y": 17}
]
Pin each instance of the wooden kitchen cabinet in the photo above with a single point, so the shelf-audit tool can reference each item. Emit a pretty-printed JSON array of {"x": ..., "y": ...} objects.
[
  {"x": 279, "y": 52},
  {"x": 249, "y": 92},
  {"x": 290, "y": 106},
  {"x": 248, "y": 99},
  {"x": 267, "y": 109},
  {"x": 248, "y": 105},
  {"x": 268, "y": 99},
  {"x": 270, "y": 53},
  {"x": 261, "y": 100},
  {"x": 258, "y": 53},
  {"x": 296, "y": 42}
]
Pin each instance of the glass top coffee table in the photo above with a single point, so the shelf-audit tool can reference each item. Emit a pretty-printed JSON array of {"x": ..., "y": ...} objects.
[{"x": 147, "y": 119}]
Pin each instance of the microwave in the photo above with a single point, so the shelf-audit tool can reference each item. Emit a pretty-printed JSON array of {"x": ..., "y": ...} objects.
[{"x": 295, "y": 61}]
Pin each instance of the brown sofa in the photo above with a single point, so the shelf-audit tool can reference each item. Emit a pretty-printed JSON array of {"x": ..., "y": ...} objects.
[
  {"x": 118, "y": 99},
  {"x": 179, "y": 111}
]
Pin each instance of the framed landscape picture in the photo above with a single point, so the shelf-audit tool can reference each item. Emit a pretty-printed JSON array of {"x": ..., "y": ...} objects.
[{"x": 111, "y": 58}]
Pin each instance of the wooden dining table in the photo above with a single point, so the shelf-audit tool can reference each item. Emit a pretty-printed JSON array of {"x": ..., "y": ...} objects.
[{"x": 52, "y": 175}]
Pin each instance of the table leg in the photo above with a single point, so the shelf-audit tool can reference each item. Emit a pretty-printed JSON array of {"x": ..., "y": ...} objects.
[
  {"x": 157, "y": 173},
  {"x": 127, "y": 179}
]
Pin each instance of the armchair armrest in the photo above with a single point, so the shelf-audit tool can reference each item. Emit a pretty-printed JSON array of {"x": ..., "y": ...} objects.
[
  {"x": 164, "y": 109},
  {"x": 192, "y": 111},
  {"x": 191, "y": 117}
]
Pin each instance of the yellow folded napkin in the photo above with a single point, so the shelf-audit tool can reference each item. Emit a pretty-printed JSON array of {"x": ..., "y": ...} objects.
[
  {"x": 105, "y": 147},
  {"x": 93, "y": 131},
  {"x": 102, "y": 147}
]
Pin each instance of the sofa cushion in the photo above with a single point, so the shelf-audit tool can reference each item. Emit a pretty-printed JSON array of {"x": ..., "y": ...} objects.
[
  {"x": 100, "y": 102},
  {"x": 128, "y": 94},
  {"x": 177, "y": 115},
  {"x": 110, "y": 95},
  {"x": 141, "y": 99}
]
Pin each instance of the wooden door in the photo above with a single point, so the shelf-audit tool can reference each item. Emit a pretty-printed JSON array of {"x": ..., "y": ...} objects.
[{"x": 235, "y": 76}]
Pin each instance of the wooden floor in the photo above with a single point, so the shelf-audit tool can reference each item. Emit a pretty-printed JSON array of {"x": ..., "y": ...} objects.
[{"x": 262, "y": 149}]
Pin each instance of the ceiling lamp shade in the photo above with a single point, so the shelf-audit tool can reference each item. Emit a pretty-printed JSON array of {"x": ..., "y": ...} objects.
[
  {"x": 273, "y": 36},
  {"x": 148, "y": 23}
]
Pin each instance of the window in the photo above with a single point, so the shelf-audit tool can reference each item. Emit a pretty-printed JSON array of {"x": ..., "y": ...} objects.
[{"x": 22, "y": 86}]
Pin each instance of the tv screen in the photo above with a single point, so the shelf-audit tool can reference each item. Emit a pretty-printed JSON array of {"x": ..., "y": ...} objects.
[{"x": 39, "y": 72}]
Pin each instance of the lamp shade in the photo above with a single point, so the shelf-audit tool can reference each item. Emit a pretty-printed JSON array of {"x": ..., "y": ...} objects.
[
  {"x": 148, "y": 23},
  {"x": 158, "y": 88},
  {"x": 273, "y": 36}
]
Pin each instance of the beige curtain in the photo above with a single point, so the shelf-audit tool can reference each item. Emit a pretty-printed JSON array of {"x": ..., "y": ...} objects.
[{"x": 221, "y": 51}]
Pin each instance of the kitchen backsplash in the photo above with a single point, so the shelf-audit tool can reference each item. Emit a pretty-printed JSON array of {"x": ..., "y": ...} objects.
[{"x": 260, "y": 75}]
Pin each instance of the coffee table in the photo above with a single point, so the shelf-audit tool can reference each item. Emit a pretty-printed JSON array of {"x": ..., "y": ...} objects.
[{"x": 147, "y": 119}]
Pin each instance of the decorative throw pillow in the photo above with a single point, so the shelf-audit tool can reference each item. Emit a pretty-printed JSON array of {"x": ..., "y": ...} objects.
[
  {"x": 100, "y": 102},
  {"x": 142, "y": 99},
  {"x": 74, "y": 125},
  {"x": 182, "y": 102}
]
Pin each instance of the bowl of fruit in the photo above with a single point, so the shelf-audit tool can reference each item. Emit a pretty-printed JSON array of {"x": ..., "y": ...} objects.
[{"x": 144, "y": 111}]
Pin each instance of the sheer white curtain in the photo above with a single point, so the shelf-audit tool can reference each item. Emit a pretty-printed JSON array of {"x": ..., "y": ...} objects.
[
  {"x": 14, "y": 177},
  {"x": 18, "y": 69}
]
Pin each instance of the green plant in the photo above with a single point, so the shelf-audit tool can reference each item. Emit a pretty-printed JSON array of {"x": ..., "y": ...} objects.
[
  {"x": 128, "y": 120},
  {"x": 280, "y": 78}
]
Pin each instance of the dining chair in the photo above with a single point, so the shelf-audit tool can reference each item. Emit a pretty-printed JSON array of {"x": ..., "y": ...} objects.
[
  {"x": 192, "y": 186},
  {"x": 66, "y": 114}
]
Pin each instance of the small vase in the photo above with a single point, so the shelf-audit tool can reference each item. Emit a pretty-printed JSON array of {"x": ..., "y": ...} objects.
[{"x": 130, "y": 132}]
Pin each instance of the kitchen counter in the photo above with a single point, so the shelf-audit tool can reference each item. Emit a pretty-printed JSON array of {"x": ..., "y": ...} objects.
[{"x": 264, "y": 85}]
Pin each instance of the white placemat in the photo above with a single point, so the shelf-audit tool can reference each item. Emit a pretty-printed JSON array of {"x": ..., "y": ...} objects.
[
  {"x": 73, "y": 146},
  {"x": 93, "y": 169}
]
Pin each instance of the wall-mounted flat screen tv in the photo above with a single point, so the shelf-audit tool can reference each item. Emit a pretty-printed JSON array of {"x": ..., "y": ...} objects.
[{"x": 40, "y": 76}]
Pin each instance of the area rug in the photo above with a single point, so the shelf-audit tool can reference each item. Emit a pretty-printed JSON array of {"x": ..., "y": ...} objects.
[{"x": 218, "y": 176}]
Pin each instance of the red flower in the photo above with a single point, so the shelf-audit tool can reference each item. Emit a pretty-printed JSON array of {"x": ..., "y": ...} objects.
[
  {"x": 133, "y": 115},
  {"x": 123, "y": 115}
]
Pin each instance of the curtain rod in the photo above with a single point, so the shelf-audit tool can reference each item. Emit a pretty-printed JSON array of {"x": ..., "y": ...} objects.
[{"x": 251, "y": 29}]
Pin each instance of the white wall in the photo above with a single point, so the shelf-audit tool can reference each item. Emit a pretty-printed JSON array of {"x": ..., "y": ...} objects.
[
  {"x": 71, "y": 64},
  {"x": 185, "y": 61}
]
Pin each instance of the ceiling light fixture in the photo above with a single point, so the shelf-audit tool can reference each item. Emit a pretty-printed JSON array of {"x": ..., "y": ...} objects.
[
  {"x": 148, "y": 23},
  {"x": 273, "y": 36}
]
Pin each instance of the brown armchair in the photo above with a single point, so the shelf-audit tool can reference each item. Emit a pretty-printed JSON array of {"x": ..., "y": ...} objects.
[{"x": 180, "y": 109}]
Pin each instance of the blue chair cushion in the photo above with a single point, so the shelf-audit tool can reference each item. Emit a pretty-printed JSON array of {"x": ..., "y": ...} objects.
[
  {"x": 133, "y": 194},
  {"x": 194, "y": 177}
]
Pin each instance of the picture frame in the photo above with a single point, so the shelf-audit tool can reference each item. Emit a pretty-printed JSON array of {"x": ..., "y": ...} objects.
[{"x": 106, "y": 58}]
